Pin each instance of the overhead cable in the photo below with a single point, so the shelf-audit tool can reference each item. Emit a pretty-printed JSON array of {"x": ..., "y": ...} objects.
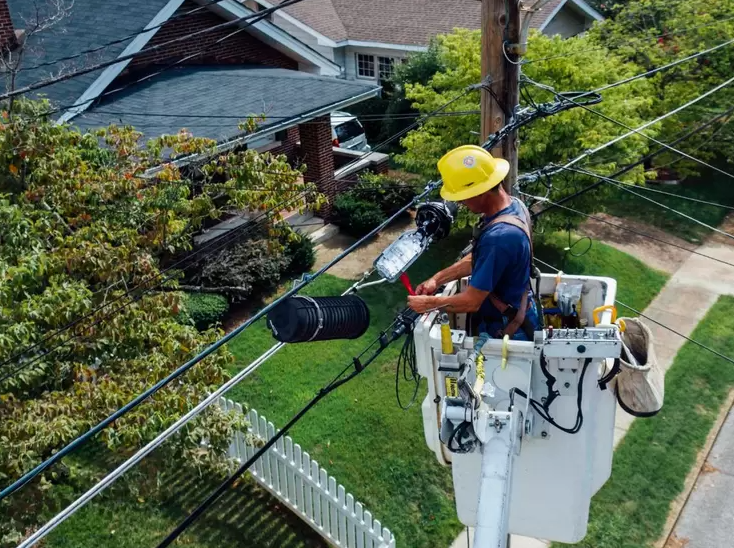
[
  {"x": 634, "y": 130},
  {"x": 626, "y": 228},
  {"x": 402, "y": 325},
  {"x": 258, "y": 16},
  {"x": 121, "y": 40},
  {"x": 627, "y": 188},
  {"x": 204, "y": 404},
  {"x": 631, "y": 166}
]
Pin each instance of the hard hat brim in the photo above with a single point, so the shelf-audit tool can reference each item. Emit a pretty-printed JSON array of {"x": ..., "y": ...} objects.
[{"x": 501, "y": 169}]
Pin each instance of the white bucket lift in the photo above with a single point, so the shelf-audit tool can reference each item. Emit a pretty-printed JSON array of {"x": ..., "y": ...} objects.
[{"x": 514, "y": 471}]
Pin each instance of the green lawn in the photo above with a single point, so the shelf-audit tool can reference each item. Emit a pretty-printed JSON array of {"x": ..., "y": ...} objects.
[
  {"x": 245, "y": 517},
  {"x": 358, "y": 433},
  {"x": 652, "y": 462},
  {"x": 711, "y": 187}
]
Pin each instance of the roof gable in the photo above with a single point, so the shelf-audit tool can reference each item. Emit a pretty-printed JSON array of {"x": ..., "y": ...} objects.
[
  {"x": 404, "y": 22},
  {"x": 94, "y": 25}
]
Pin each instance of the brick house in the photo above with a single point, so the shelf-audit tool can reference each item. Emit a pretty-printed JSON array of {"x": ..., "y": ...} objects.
[
  {"x": 366, "y": 39},
  {"x": 260, "y": 70}
]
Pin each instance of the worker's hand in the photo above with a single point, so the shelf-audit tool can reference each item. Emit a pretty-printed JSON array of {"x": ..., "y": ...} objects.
[
  {"x": 428, "y": 287},
  {"x": 421, "y": 303}
]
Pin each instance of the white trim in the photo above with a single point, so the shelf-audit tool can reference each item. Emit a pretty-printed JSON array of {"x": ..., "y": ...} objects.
[
  {"x": 583, "y": 6},
  {"x": 275, "y": 33},
  {"x": 322, "y": 39},
  {"x": 380, "y": 45},
  {"x": 113, "y": 71},
  {"x": 588, "y": 10}
]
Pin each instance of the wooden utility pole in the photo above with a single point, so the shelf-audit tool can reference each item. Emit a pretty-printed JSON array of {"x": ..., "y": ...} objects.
[{"x": 500, "y": 49}]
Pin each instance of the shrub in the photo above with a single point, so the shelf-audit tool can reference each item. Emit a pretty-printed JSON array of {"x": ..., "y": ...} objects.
[
  {"x": 299, "y": 250},
  {"x": 356, "y": 216},
  {"x": 204, "y": 310},
  {"x": 388, "y": 193},
  {"x": 252, "y": 266}
]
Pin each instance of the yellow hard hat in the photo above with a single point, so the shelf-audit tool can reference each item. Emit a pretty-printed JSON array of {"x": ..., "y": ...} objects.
[{"x": 469, "y": 171}]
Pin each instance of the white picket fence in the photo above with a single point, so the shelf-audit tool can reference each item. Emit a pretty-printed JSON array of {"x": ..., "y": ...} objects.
[{"x": 289, "y": 474}]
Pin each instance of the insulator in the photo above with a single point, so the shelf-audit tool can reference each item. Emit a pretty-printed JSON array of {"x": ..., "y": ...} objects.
[{"x": 305, "y": 319}]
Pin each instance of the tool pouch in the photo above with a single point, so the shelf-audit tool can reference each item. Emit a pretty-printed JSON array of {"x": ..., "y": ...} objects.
[{"x": 639, "y": 388}]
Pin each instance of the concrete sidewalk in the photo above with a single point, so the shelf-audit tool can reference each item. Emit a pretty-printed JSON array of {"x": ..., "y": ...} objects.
[
  {"x": 707, "y": 518},
  {"x": 681, "y": 304}
]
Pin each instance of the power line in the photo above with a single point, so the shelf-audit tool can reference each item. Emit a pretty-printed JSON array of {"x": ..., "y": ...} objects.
[
  {"x": 625, "y": 42},
  {"x": 627, "y": 229},
  {"x": 430, "y": 187},
  {"x": 366, "y": 117},
  {"x": 634, "y": 130},
  {"x": 646, "y": 125},
  {"x": 626, "y": 188},
  {"x": 383, "y": 340},
  {"x": 119, "y": 40},
  {"x": 697, "y": 343},
  {"x": 641, "y": 161},
  {"x": 105, "y": 482},
  {"x": 680, "y": 196},
  {"x": 255, "y": 17}
]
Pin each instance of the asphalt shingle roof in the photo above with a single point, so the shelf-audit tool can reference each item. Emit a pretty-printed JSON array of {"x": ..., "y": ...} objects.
[
  {"x": 215, "y": 91},
  {"x": 89, "y": 24},
  {"x": 405, "y": 22}
]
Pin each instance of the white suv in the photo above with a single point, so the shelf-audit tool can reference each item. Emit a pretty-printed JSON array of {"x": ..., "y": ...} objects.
[{"x": 347, "y": 132}]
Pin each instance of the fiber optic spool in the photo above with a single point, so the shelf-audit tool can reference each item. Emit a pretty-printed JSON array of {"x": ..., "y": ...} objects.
[{"x": 307, "y": 319}]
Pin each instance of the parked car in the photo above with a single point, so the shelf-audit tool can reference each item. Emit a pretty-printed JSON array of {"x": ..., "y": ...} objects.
[{"x": 347, "y": 132}]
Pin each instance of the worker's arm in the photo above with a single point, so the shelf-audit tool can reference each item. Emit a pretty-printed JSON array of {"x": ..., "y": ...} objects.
[
  {"x": 456, "y": 271},
  {"x": 468, "y": 301}
]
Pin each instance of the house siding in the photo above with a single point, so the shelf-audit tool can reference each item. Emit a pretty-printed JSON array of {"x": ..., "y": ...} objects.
[
  {"x": 243, "y": 48},
  {"x": 567, "y": 23}
]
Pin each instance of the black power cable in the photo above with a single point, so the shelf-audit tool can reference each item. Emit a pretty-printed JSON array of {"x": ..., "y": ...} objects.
[
  {"x": 407, "y": 365},
  {"x": 402, "y": 325},
  {"x": 633, "y": 165}
]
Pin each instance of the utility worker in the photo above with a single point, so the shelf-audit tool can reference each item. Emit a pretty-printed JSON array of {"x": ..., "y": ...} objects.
[{"x": 500, "y": 262}]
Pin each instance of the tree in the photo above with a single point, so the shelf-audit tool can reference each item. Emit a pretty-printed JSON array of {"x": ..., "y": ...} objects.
[
  {"x": 653, "y": 33},
  {"x": 551, "y": 140},
  {"x": 83, "y": 224}
]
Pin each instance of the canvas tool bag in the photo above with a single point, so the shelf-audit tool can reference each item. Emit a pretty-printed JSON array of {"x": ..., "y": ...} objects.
[{"x": 639, "y": 386}]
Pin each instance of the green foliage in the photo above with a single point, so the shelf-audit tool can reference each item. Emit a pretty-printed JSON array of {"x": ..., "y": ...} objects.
[
  {"x": 652, "y": 462},
  {"x": 246, "y": 268},
  {"x": 79, "y": 226},
  {"x": 552, "y": 139},
  {"x": 300, "y": 252},
  {"x": 646, "y": 32},
  {"x": 204, "y": 310},
  {"x": 370, "y": 202},
  {"x": 388, "y": 193},
  {"x": 355, "y": 216}
]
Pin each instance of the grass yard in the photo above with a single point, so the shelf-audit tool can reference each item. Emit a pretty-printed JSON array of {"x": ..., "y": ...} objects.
[
  {"x": 358, "y": 433},
  {"x": 656, "y": 455},
  {"x": 711, "y": 187}
]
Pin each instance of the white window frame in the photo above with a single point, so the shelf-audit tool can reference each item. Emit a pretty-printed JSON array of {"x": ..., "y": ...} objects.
[
  {"x": 357, "y": 67},
  {"x": 393, "y": 61}
]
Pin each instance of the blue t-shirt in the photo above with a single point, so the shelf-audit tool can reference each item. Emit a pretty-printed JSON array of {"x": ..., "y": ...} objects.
[{"x": 502, "y": 262}]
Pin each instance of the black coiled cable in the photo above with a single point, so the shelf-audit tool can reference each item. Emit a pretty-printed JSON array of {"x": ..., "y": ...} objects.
[{"x": 407, "y": 364}]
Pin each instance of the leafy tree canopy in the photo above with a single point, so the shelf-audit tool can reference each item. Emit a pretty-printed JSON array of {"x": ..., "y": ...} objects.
[
  {"x": 82, "y": 226},
  {"x": 554, "y": 139}
]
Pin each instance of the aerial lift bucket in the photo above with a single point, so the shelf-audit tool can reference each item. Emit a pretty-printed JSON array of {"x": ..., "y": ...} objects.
[{"x": 527, "y": 426}]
